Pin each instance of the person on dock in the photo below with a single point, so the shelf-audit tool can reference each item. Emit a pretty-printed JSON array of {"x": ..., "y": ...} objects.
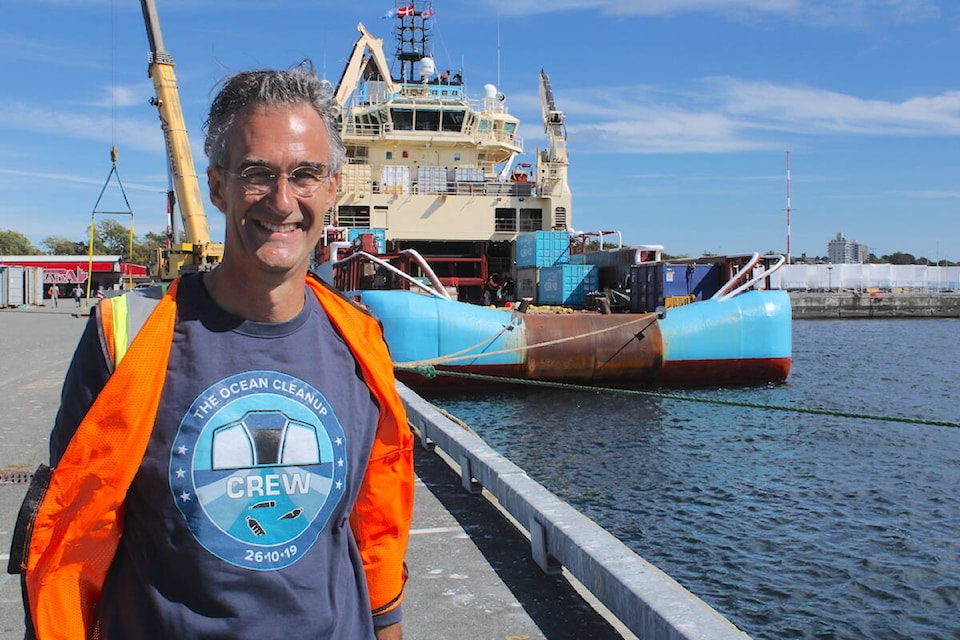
[{"x": 242, "y": 467}]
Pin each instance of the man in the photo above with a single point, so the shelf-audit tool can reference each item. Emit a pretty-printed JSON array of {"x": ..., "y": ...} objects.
[
  {"x": 274, "y": 490},
  {"x": 77, "y": 294},
  {"x": 54, "y": 294}
]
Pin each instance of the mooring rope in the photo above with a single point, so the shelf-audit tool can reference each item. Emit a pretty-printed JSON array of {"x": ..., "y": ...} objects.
[{"x": 430, "y": 372}]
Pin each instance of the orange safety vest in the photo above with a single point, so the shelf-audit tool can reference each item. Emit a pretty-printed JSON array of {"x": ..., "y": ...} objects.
[{"x": 79, "y": 522}]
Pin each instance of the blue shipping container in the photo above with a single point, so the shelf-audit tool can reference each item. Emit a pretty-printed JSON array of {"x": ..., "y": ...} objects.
[
  {"x": 542, "y": 249},
  {"x": 567, "y": 284},
  {"x": 663, "y": 284},
  {"x": 379, "y": 237}
]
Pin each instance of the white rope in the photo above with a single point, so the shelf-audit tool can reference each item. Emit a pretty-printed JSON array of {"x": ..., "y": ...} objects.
[{"x": 456, "y": 357}]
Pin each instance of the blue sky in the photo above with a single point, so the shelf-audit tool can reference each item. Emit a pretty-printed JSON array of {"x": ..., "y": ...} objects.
[{"x": 679, "y": 112}]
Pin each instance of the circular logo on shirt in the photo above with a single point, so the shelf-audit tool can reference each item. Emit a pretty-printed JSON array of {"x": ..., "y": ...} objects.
[{"x": 257, "y": 468}]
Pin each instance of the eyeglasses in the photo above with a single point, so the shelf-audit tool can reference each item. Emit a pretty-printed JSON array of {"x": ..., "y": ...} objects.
[{"x": 258, "y": 180}]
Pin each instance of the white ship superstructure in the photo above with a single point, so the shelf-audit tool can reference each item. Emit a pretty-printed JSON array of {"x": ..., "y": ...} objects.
[{"x": 431, "y": 169}]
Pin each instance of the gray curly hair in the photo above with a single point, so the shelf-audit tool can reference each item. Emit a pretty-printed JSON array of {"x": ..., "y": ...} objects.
[{"x": 270, "y": 88}]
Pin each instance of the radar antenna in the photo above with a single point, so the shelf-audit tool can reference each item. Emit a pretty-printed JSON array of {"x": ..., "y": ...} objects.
[{"x": 413, "y": 37}]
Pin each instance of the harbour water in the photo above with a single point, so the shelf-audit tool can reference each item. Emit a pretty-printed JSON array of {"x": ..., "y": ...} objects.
[{"x": 792, "y": 525}]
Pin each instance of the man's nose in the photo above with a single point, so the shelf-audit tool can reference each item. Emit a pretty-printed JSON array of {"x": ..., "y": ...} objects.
[{"x": 283, "y": 190}]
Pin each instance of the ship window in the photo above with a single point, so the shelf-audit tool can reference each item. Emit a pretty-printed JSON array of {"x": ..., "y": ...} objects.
[
  {"x": 560, "y": 216},
  {"x": 352, "y": 216},
  {"x": 452, "y": 120},
  {"x": 389, "y": 155},
  {"x": 428, "y": 120},
  {"x": 358, "y": 152},
  {"x": 505, "y": 220},
  {"x": 402, "y": 119},
  {"x": 509, "y": 127},
  {"x": 531, "y": 220},
  {"x": 483, "y": 126}
]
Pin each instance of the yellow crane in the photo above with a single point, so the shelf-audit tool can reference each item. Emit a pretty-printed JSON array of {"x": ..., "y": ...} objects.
[{"x": 195, "y": 251}]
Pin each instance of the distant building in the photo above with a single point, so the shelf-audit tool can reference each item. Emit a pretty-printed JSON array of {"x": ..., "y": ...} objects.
[
  {"x": 843, "y": 251},
  {"x": 105, "y": 271}
]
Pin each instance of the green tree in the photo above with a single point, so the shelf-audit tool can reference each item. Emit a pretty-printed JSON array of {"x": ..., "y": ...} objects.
[
  {"x": 14, "y": 243},
  {"x": 900, "y": 258},
  {"x": 60, "y": 246},
  {"x": 144, "y": 251},
  {"x": 112, "y": 237},
  {"x": 153, "y": 239}
]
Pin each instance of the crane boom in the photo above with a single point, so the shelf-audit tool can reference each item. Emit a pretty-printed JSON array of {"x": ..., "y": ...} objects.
[
  {"x": 553, "y": 120},
  {"x": 354, "y": 68},
  {"x": 197, "y": 252}
]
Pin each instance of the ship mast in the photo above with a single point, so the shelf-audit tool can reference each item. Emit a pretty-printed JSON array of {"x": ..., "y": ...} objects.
[{"x": 413, "y": 37}]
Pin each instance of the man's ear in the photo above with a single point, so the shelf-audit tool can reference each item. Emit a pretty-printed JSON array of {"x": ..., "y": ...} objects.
[{"x": 215, "y": 183}]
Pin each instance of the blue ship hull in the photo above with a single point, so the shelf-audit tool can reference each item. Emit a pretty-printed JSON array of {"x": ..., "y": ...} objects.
[{"x": 742, "y": 340}]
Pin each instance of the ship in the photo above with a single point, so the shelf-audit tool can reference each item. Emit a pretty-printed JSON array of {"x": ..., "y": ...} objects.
[{"x": 468, "y": 255}]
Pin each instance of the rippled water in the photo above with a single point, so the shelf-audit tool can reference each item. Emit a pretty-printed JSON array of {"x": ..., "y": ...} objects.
[{"x": 792, "y": 525}]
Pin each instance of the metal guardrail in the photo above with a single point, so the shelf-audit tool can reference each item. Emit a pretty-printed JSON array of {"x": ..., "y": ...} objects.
[{"x": 646, "y": 600}]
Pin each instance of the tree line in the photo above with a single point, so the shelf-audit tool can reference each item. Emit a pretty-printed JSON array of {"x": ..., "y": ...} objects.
[
  {"x": 112, "y": 238},
  {"x": 109, "y": 238},
  {"x": 897, "y": 257}
]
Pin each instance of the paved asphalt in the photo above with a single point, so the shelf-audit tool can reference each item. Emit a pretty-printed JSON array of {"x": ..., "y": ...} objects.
[{"x": 471, "y": 576}]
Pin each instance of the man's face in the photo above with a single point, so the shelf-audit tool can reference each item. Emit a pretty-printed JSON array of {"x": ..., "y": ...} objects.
[{"x": 275, "y": 231}]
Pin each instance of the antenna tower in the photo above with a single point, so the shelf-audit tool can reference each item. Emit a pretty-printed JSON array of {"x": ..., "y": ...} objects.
[
  {"x": 413, "y": 36},
  {"x": 788, "y": 207}
]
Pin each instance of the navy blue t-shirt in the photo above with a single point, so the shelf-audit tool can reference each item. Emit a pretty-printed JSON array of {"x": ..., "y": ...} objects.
[{"x": 236, "y": 525}]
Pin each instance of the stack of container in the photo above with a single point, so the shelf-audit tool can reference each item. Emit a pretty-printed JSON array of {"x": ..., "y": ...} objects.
[
  {"x": 21, "y": 285},
  {"x": 465, "y": 174},
  {"x": 542, "y": 248},
  {"x": 567, "y": 284},
  {"x": 432, "y": 179},
  {"x": 395, "y": 179},
  {"x": 355, "y": 178},
  {"x": 671, "y": 285},
  {"x": 534, "y": 251}
]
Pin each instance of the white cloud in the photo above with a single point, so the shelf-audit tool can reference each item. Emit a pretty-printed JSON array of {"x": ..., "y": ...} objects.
[
  {"x": 824, "y": 12},
  {"x": 75, "y": 179},
  {"x": 135, "y": 95},
  {"x": 135, "y": 133},
  {"x": 803, "y": 109},
  {"x": 927, "y": 193},
  {"x": 730, "y": 115}
]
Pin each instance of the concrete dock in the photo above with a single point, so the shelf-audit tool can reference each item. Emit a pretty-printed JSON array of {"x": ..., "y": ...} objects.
[
  {"x": 852, "y": 303},
  {"x": 471, "y": 575},
  {"x": 493, "y": 554}
]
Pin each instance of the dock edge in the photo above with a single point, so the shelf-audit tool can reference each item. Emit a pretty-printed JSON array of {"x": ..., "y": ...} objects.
[{"x": 643, "y": 598}]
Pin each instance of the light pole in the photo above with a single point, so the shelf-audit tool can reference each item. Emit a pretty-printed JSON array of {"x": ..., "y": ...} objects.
[{"x": 830, "y": 277}]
